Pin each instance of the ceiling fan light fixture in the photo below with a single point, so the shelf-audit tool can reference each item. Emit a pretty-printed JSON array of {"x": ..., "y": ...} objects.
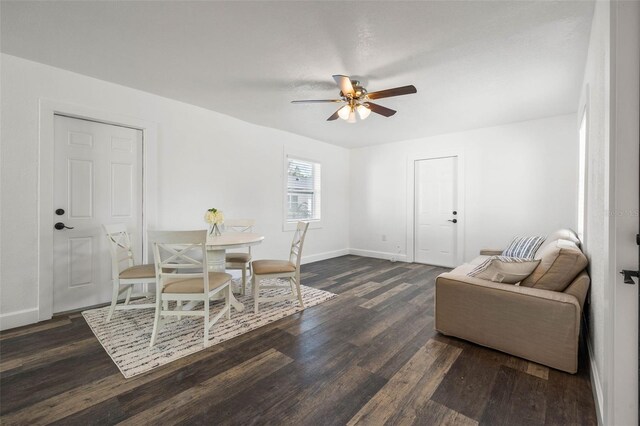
[
  {"x": 363, "y": 111},
  {"x": 352, "y": 116},
  {"x": 357, "y": 100},
  {"x": 345, "y": 112}
]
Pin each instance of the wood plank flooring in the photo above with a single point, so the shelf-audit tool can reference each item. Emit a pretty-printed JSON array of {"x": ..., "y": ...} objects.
[{"x": 369, "y": 356}]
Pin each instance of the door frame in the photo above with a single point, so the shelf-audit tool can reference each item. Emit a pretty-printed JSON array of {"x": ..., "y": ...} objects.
[
  {"x": 48, "y": 109},
  {"x": 411, "y": 198}
]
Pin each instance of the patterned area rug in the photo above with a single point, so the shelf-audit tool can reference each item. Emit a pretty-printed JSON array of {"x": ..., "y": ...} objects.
[{"x": 126, "y": 337}]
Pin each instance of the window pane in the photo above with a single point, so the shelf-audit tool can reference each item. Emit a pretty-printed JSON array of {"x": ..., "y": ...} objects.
[
  {"x": 303, "y": 190},
  {"x": 582, "y": 157}
]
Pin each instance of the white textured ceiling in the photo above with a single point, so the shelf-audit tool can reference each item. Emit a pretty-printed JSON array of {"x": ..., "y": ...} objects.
[{"x": 475, "y": 63}]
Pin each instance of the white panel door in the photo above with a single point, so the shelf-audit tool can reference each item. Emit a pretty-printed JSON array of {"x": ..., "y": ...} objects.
[
  {"x": 435, "y": 203},
  {"x": 97, "y": 180}
]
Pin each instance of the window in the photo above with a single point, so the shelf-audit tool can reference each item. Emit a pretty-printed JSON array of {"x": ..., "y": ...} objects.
[
  {"x": 582, "y": 166},
  {"x": 302, "y": 190}
]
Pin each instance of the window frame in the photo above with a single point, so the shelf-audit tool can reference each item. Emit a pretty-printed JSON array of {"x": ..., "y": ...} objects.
[
  {"x": 288, "y": 224},
  {"x": 583, "y": 173}
]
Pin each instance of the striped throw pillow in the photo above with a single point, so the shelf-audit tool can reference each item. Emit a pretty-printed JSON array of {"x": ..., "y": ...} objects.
[
  {"x": 523, "y": 247},
  {"x": 502, "y": 269}
]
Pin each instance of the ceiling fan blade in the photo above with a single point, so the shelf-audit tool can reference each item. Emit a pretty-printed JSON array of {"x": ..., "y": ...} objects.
[
  {"x": 379, "y": 109},
  {"x": 396, "y": 91},
  {"x": 316, "y": 101},
  {"x": 334, "y": 116},
  {"x": 344, "y": 83}
]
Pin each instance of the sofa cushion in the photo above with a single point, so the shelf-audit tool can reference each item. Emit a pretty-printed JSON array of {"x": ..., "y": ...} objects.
[
  {"x": 463, "y": 269},
  {"x": 507, "y": 270},
  {"x": 560, "y": 263},
  {"x": 523, "y": 247},
  {"x": 560, "y": 234},
  {"x": 478, "y": 260}
]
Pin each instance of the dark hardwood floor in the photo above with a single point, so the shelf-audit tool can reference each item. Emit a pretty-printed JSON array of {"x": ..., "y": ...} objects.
[{"x": 369, "y": 356}]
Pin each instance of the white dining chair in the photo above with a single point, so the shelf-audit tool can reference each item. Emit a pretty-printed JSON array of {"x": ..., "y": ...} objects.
[
  {"x": 125, "y": 274},
  {"x": 186, "y": 252},
  {"x": 239, "y": 260},
  {"x": 287, "y": 269}
]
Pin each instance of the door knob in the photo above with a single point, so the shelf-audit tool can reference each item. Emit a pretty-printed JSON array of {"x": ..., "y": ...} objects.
[
  {"x": 61, "y": 225},
  {"x": 59, "y": 212},
  {"x": 453, "y": 220}
]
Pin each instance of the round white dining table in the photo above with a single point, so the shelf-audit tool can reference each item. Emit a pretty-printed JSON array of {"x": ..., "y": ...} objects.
[{"x": 217, "y": 245}]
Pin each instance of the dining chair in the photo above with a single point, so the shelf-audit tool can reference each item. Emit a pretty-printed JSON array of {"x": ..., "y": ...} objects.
[
  {"x": 124, "y": 272},
  {"x": 239, "y": 260},
  {"x": 186, "y": 253},
  {"x": 288, "y": 269}
]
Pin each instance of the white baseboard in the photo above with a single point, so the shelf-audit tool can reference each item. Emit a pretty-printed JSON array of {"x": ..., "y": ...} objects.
[
  {"x": 596, "y": 384},
  {"x": 18, "y": 318},
  {"x": 379, "y": 255},
  {"x": 323, "y": 256}
]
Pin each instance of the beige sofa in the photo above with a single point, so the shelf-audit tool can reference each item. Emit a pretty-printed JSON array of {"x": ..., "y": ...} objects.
[{"x": 539, "y": 319}]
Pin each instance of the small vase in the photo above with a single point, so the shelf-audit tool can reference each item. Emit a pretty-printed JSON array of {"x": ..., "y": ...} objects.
[{"x": 215, "y": 230}]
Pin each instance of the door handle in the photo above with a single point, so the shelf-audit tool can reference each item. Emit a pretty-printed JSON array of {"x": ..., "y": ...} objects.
[
  {"x": 628, "y": 276},
  {"x": 453, "y": 220},
  {"x": 61, "y": 225}
]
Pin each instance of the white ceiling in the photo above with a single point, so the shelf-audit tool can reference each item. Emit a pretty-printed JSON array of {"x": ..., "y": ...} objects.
[{"x": 475, "y": 63}]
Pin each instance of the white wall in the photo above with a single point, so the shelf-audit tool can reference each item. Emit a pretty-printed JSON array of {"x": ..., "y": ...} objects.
[
  {"x": 520, "y": 178},
  {"x": 205, "y": 159}
]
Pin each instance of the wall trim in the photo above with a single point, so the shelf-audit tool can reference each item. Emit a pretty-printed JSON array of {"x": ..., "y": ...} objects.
[
  {"x": 596, "y": 384},
  {"x": 324, "y": 256},
  {"x": 18, "y": 318},
  {"x": 379, "y": 255}
]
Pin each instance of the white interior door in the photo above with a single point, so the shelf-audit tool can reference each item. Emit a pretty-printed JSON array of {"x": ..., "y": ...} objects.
[
  {"x": 97, "y": 180},
  {"x": 436, "y": 211}
]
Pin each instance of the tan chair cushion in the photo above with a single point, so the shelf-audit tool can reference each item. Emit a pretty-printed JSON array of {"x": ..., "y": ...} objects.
[
  {"x": 263, "y": 267},
  {"x": 238, "y": 257},
  {"x": 560, "y": 263},
  {"x": 196, "y": 285},
  {"x": 139, "y": 271}
]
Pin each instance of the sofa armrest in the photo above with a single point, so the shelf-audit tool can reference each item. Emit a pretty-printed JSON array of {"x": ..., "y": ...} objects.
[
  {"x": 490, "y": 252},
  {"x": 540, "y": 325}
]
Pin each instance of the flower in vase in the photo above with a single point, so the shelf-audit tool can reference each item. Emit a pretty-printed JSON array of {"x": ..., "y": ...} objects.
[{"x": 214, "y": 217}]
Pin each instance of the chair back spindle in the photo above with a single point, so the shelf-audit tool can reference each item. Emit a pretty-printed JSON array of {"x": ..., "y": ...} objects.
[
  {"x": 240, "y": 225},
  {"x": 119, "y": 247},
  {"x": 297, "y": 243},
  {"x": 179, "y": 255}
]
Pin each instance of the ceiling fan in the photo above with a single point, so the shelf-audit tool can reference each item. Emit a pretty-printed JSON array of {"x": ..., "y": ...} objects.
[{"x": 356, "y": 99}]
